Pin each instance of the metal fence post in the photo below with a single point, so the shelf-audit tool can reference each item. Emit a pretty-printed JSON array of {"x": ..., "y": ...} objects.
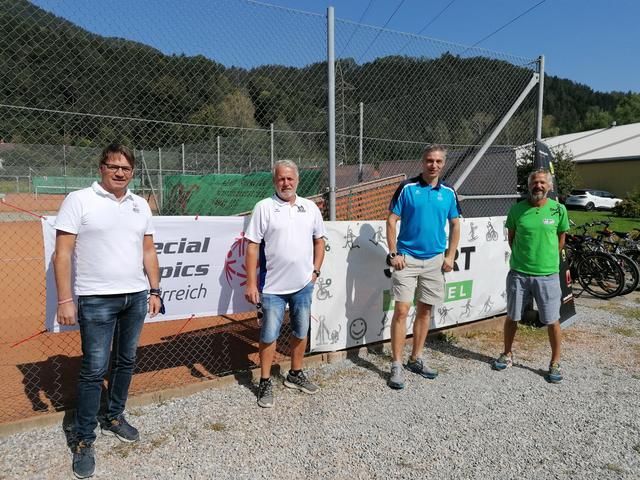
[
  {"x": 218, "y": 152},
  {"x": 183, "y": 170},
  {"x": 331, "y": 101},
  {"x": 271, "y": 152},
  {"x": 160, "y": 187},
  {"x": 360, "y": 172}
]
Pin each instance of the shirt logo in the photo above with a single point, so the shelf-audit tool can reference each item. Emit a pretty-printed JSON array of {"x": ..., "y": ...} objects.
[
  {"x": 549, "y": 221},
  {"x": 555, "y": 210},
  {"x": 439, "y": 196},
  {"x": 300, "y": 208},
  {"x": 135, "y": 208}
]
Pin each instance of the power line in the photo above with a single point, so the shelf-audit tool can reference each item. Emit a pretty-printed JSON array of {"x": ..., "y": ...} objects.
[
  {"x": 380, "y": 30},
  {"x": 357, "y": 27},
  {"x": 422, "y": 30},
  {"x": 502, "y": 27}
]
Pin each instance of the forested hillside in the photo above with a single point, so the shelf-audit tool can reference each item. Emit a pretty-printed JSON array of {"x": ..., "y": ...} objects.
[{"x": 53, "y": 65}]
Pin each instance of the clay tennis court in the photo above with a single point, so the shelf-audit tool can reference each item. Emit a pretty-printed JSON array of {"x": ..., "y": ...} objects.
[
  {"x": 39, "y": 374},
  {"x": 39, "y": 369}
]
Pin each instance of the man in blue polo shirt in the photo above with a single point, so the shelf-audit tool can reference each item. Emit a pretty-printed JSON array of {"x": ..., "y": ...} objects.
[{"x": 420, "y": 257}]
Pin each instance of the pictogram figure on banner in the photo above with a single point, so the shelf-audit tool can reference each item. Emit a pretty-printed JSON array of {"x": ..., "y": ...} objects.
[
  {"x": 412, "y": 317},
  {"x": 324, "y": 335},
  {"x": 507, "y": 254},
  {"x": 492, "y": 234},
  {"x": 234, "y": 263},
  {"x": 488, "y": 304},
  {"x": 322, "y": 289},
  {"x": 350, "y": 239},
  {"x": 505, "y": 231},
  {"x": 327, "y": 247},
  {"x": 444, "y": 314},
  {"x": 466, "y": 309},
  {"x": 378, "y": 237},
  {"x": 386, "y": 322},
  {"x": 472, "y": 235},
  {"x": 504, "y": 296}
]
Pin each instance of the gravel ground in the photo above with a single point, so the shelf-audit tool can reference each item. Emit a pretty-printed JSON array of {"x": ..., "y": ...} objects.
[{"x": 469, "y": 423}]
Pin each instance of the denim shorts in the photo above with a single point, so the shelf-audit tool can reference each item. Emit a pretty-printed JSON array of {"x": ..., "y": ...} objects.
[
  {"x": 545, "y": 289},
  {"x": 273, "y": 307}
]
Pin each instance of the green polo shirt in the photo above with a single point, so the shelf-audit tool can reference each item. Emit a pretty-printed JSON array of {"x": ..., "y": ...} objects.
[{"x": 535, "y": 245}]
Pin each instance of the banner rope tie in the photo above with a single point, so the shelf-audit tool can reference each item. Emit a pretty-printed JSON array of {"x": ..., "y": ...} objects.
[
  {"x": 184, "y": 326},
  {"x": 28, "y": 338},
  {"x": 22, "y": 209}
]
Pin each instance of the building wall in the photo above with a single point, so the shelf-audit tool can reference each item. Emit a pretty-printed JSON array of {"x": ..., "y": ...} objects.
[{"x": 617, "y": 177}]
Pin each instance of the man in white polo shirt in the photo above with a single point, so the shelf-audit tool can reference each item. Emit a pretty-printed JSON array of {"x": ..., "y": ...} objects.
[
  {"x": 108, "y": 231},
  {"x": 286, "y": 236}
]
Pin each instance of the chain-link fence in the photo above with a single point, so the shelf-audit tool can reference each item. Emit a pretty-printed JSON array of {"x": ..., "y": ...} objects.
[{"x": 247, "y": 86}]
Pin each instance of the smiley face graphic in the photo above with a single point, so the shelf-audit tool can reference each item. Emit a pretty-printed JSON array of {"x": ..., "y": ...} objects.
[{"x": 357, "y": 328}]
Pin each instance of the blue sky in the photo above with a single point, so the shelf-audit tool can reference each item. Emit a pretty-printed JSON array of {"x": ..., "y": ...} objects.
[{"x": 595, "y": 42}]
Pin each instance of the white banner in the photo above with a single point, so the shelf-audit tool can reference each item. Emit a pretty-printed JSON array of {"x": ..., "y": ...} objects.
[
  {"x": 353, "y": 303},
  {"x": 201, "y": 265},
  {"x": 202, "y": 269}
]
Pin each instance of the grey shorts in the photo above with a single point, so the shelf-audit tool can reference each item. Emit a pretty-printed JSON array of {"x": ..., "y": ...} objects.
[
  {"x": 426, "y": 275},
  {"x": 544, "y": 289}
]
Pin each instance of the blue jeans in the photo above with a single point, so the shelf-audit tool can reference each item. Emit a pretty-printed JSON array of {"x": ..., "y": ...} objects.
[
  {"x": 273, "y": 306},
  {"x": 103, "y": 320}
]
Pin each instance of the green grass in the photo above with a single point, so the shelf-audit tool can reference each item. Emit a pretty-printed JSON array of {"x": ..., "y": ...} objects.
[{"x": 619, "y": 223}]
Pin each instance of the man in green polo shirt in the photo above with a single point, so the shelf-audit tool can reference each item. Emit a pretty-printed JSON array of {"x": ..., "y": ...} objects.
[{"x": 537, "y": 228}]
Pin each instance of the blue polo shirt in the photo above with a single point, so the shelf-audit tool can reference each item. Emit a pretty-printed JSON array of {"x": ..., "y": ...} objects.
[{"x": 424, "y": 211}]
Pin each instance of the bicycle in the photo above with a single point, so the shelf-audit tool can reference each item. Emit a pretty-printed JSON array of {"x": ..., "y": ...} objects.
[
  {"x": 598, "y": 273},
  {"x": 625, "y": 257}
]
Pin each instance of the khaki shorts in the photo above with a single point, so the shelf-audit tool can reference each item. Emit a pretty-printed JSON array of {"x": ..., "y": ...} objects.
[{"x": 426, "y": 275}]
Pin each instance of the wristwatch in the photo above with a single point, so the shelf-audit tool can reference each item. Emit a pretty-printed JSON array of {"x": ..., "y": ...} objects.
[
  {"x": 155, "y": 291},
  {"x": 391, "y": 256},
  {"x": 317, "y": 273}
]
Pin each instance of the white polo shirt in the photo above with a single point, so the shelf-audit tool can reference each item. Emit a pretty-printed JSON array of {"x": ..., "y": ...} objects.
[
  {"x": 110, "y": 233},
  {"x": 286, "y": 233}
]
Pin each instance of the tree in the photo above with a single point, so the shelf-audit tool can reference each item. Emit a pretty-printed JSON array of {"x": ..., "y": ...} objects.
[
  {"x": 236, "y": 110},
  {"x": 441, "y": 133},
  {"x": 564, "y": 169},
  {"x": 266, "y": 100},
  {"x": 549, "y": 127},
  {"x": 565, "y": 172},
  {"x": 597, "y": 118},
  {"x": 628, "y": 110}
]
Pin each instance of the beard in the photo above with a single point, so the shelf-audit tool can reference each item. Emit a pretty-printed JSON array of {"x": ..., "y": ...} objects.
[{"x": 537, "y": 195}]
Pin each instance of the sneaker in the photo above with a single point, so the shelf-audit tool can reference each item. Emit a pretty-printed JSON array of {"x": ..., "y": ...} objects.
[
  {"x": 555, "y": 374},
  {"x": 420, "y": 368},
  {"x": 396, "y": 380},
  {"x": 265, "y": 394},
  {"x": 84, "y": 460},
  {"x": 301, "y": 382},
  {"x": 120, "y": 428},
  {"x": 503, "y": 362}
]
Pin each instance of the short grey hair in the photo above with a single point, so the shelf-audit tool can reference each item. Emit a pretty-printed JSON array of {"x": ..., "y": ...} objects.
[
  {"x": 435, "y": 147},
  {"x": 540, "y": 171},
  {"x": 284, "y": 164}
]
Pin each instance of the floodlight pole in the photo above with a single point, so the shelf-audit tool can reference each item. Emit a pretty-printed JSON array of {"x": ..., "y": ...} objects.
[
  {"x": 331, "y": 101},
  {"x": 540, "y": 97}
]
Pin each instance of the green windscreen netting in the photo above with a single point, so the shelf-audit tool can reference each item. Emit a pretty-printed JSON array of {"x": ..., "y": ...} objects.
[{"x": 225, "y": 194}]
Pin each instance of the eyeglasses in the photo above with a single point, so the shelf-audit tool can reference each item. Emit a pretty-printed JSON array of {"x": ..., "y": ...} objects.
[{"x": 112, "y": 167}]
